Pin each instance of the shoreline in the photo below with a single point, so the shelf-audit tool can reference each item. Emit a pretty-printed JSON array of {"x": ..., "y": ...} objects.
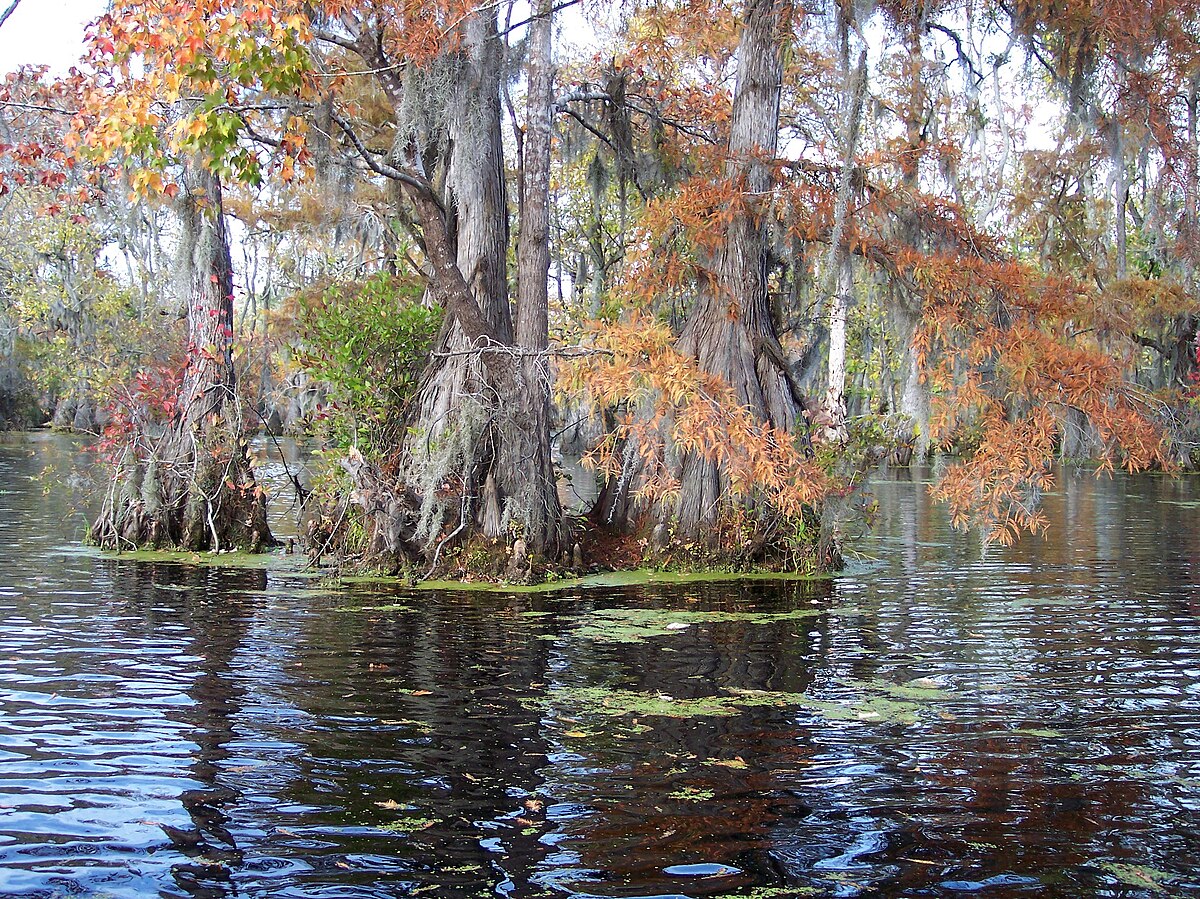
[{"x": 296, "y": 565}]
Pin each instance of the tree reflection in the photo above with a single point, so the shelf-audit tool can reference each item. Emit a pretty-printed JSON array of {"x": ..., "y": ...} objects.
[{"x": 216, "y": 607}]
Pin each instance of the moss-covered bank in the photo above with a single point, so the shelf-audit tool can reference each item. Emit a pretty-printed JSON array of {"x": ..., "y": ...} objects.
[{"x": 298, "y": 565}]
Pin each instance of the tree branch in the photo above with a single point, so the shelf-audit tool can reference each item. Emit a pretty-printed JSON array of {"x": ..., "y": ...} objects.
[
  {"x": 1149, "y": 343},
  {"x": 8, "y": 12},
  {"x": 580, "y": 119},
  {"x": 578, "y": 352},
  {"x": 679, "y": 126},
  {"x": 36, "y": 107},
  {"x": 566, "y": 4},
  {"x": 963, "y": 58},
  {"x": 338, "y": 41},
  {"x": 379, "y": 167},
  {"x": 561, "y": 101}
]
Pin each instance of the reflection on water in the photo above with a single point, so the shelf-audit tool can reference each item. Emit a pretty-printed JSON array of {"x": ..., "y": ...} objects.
[{"x": 934, "y": 723}]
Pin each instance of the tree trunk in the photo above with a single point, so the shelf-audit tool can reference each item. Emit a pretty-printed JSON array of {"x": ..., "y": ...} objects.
[
  {"x": 526, "y": 469},
  {"x": 1187, "y": 337},
  {"x": 1120, "y": 202},
  {"x": 9, "y": 372},
  {"x": 477, "y": 200},
  {"x": 192, "y": 486},
  {"x": 730, "y": 331},
  {"x": 1191, "y": 188},
  {"x": 496, "y": 413},
  {"x": 839, "y": 279},
  {"x": 914, "y": 400},
  {"x": 480, "y": 424},
  {"x": 835, "y": 393},
  {"x": 454, "y": 413}
]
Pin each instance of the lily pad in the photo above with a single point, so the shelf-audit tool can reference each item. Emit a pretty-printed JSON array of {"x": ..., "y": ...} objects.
[
  {"x": 410, "y": 825},
  {"x": 398, "y": 608},
  {"x": 616, "y": 703},
  {"x": 692, "y": 794}
]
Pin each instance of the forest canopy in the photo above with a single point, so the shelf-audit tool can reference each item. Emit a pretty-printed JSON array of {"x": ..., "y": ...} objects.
[{"x": 729, "y": 257}]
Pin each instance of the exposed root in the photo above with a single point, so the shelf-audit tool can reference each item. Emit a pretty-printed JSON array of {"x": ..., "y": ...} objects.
[{"x": 193, "y": 491}]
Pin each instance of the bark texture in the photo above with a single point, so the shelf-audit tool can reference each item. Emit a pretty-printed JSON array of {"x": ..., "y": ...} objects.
[
  {"x": 9, "y": 373},
  {"x": 478, "y": 460},
  {"x": 730, "y": 331},
  {"x": 190, "y": 484},
  {"x": 478, "y": 227},
  {"x": 913, "y": 399},
  {"x": 526, "y": 467},
  {"x": 839, "y": 278}
]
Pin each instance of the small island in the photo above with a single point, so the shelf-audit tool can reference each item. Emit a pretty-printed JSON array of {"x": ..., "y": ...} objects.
[
  {"x": 541, "y": 314},
  {"x": 541, "y": 449}
]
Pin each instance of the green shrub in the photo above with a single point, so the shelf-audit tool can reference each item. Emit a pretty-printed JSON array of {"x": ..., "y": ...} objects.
[{"x": 368, "y": 342}]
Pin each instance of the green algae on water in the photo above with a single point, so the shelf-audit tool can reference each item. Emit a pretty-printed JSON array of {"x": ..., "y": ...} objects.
[
  {"x": 874, "y": 703},
  {"x": 1140, "y": 876},
  {"x": 870, "y": 709},
  {"x": 637, "y": 625},
  {"x": 636, "y": 577},
  {"x": 616, "y": 703},
  {"x": 395, "y": 608},
  {"x": 692, "y": 794},
  {"x": 409, "y": 825},
  {"x": 922, "y": 689},
  {"x": 264, "y": 561},
  {"x": 298, "y": 564}
]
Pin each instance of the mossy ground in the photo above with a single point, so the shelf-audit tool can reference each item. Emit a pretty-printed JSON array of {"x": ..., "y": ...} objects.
[
  {"x": 295, "y": 564},
  {"x": 264, "y": 561},
  {"x": 298, "y": 564},
  {"x": 631, "y": 578}
]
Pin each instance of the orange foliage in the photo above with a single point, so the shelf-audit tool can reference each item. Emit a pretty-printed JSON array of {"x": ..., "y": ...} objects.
[
  {"x": 236, "y": 64},
  {"x": 1148, "y": 49},
  {"x": 1007, "y": 349},
  {"x": 669, "y": 407},
  {"x": 1015, "y": 352},
  {"x": 675, "y": 237}
]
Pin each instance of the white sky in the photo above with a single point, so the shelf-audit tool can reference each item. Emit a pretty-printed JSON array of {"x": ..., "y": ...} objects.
[{"x": 46, "y": 32}]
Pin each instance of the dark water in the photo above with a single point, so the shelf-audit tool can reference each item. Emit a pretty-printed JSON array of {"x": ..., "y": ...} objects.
[{"x": 933, "y": 723}]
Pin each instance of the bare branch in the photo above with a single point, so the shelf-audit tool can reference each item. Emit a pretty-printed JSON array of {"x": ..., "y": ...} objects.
[
  {"x": 561, "y": 101},
  {"x": 522, "y": 353},
  {"x": 679, "y": 126},
  {"x": 582, "y": 121},
  {"x": 37, "y": 107},
  {"x": 378, "y": 166},
  {"x": 566, "y": 4},
  {"x": 337, "y": 40},
  {"x": 8, "y": 12},
  {"x": 963, "y": 58}
]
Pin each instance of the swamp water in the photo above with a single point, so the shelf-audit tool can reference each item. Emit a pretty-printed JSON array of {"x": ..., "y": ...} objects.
[{"x": 931, "y": 723}]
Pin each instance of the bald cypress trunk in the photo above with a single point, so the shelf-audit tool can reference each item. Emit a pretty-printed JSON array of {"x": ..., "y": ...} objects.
[
  {"x": 487, "y": 404},
  {"x": 191, "y": 486},
  {"x": 478, "y": 226},
  {"x": 730, "y": 331},
  {"x": 9, "y": 373},
  {"x": 914, "y": 399},
  {"x": 526, "y": 470},
  {"x": 477, "y": 456},
  {"x": 839, "y": 277}
]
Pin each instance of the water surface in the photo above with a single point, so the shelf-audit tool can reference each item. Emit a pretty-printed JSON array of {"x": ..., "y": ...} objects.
[{"x": 936, "y": 722}]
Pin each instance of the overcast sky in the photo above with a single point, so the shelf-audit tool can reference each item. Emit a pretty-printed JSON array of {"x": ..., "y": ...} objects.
[{"x": 46, "y": 31}]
